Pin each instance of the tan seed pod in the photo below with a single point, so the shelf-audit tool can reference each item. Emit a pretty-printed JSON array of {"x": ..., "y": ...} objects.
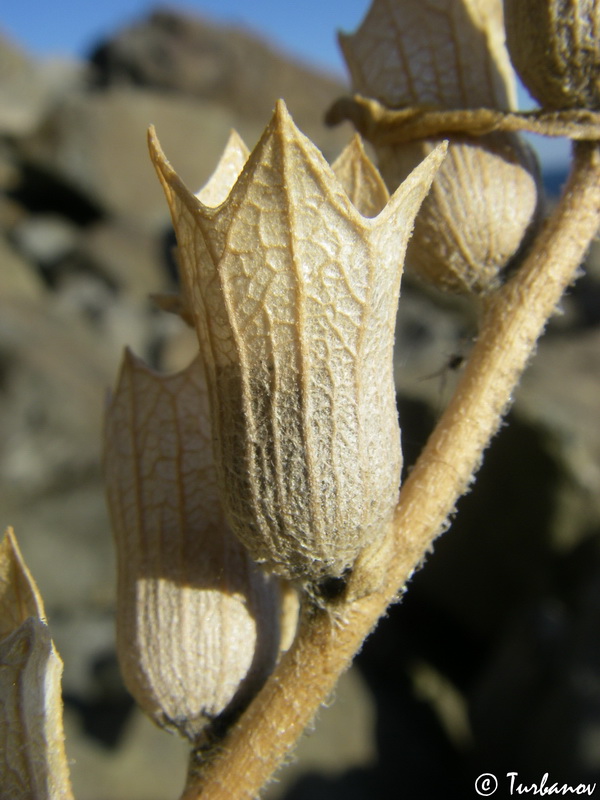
[
  {"x": 294, "y": 295},
  {"x": 475, "y": 218},
  {"x": 197, "y": 622},
  {"x": 555, "y": 48},
  {"x": 32, "y": 761},
  {"x": 443, "y": 53},
  {"x": 33, "y": 764},
  {"x": 484, "y": 199}
]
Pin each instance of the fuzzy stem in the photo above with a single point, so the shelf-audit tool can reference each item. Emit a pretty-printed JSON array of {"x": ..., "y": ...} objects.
[
  {"x": 325, "y": 645},
  {"x": 387, "y": 126}
]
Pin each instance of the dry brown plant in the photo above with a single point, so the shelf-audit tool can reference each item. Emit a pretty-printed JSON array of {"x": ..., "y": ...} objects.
[{"x": 267, "y": 473}]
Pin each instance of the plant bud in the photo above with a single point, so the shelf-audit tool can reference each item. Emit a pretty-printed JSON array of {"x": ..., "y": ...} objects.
[
  {"x": 294, "y": 296},
  {"x": 197, "y": 622},
  {"x": 555, "y": 47}
]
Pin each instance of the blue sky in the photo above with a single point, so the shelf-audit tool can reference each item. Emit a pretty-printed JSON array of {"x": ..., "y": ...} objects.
[
  {"x": 305, "y": 29},
  {"x": 70, "y": 27}
]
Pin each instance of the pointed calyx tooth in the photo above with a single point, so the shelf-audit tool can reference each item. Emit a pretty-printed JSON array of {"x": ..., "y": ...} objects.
[
  {"x": 215, "y": 190},
  {"x": 555, "y": 47},
  {"x": 485, "y": 198},
  {"x": 449, "y": 54},
  {"x": 197, "y": 622},
  {"x": 361, "y": 179},
  {"x": 173, "y": 303},
  {"x": 19, "y": 595},
  {"x": 213, "y": 193},
  {"x": 33, "y": 764},
  {"x": 294, "y": 296}
]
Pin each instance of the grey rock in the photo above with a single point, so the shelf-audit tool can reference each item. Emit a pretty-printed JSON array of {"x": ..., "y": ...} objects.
[
  {"x": 181, "y": 53},
  {"x": 559, "y": 396},
  {"x": 55, "y": 373},
  {"x": 433, "y": 336},
  {"x": 548, "y": 664},
  {"x": 118, "y": 321},
  {"x": 148, "y": 764},
  {"x": 97, "y": 142},
  {"x": 204, "y": 81},
  {"x": 18, "y": 277},
  {"x": 129, "y": 258},
  {"x": 28, "y": 88},
  {"x": 23, "y": 92},
  {"x": 9, "y": 169},
  {"x": 45, "y": 239}
]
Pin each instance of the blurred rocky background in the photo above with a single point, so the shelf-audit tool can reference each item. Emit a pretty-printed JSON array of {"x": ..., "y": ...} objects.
[{"x": 492, "y": 661}]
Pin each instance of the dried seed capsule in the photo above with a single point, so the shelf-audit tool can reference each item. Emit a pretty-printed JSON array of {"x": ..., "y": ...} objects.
[
  {"x": 197, "y": 622},
  {"x": 441, "y": 53},
  {"x": 294, "y": 296},
  {"x": 477, "y": 215},
  {"x": 555, "y": 47},
  {"x": 33, "y": 763},
  {"x": 484, "y": 198}
]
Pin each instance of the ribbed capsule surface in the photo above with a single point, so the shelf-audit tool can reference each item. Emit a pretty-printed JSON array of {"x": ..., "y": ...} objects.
[
  {"x": 451, "y": 54},
  {"x": 294, "y": 295},
  {"x": 477, "y": 213},
  {"x": 555, "y": 47},
  {"x": 197, "y": 621},
  {"x": 444, "y": 53}
]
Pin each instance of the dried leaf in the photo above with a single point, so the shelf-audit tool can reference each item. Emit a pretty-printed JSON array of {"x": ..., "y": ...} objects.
[
  {"x": 197, "y": 624},
  {"x": 19, "y": 595},
  {"x": 447, "y": 53},
  {"x": 294, "y": 295}
]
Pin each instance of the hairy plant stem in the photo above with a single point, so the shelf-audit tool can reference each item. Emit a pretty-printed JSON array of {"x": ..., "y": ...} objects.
[
  {"x": 381, "y": 125},
  {"x": 512, "y": 322}
]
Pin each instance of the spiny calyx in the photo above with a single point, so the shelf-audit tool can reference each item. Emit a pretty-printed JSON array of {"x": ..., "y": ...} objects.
[{"x": 293, "y": 294}]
